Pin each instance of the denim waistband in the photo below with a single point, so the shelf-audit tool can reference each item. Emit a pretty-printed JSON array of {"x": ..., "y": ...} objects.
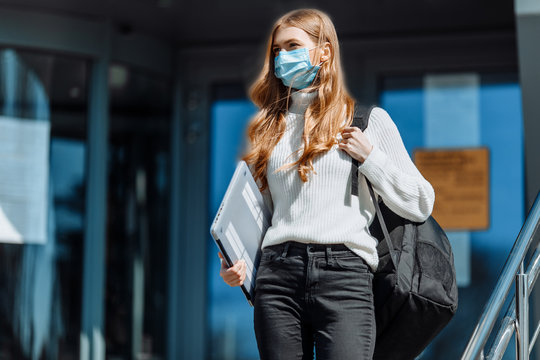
[
  {"x": 308, "y": 247},
  {"x": 328, "y": 251}
]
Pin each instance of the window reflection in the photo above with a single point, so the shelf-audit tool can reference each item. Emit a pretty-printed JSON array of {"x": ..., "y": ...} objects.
[{"x": 40, "y": 285}]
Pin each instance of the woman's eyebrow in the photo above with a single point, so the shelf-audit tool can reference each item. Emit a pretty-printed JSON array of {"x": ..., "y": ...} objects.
[{"x": 287, "y": 41}]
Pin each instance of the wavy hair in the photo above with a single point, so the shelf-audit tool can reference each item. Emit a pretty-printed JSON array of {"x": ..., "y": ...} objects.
[{"x": 324, "y": 118}]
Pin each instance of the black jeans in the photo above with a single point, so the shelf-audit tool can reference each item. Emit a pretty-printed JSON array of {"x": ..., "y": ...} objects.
[{"x": 310, "y": 295}]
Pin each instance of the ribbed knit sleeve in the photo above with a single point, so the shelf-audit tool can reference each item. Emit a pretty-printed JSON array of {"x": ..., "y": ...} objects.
[
  {"x": 392, "y": 173},
  {"x": 267, "y": 196}
]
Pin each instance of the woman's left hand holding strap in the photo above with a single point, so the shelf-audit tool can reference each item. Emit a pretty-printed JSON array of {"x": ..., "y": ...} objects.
[{"x": 355, "y": 143}]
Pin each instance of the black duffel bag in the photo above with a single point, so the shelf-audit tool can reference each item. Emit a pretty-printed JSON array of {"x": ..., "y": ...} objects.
[{"x": 414, "y": 287}]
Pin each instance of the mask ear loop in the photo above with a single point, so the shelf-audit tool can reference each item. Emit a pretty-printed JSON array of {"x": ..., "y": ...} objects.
[
  {"x": 310, "y": 59},
  {"x": 320, "y": 62}
]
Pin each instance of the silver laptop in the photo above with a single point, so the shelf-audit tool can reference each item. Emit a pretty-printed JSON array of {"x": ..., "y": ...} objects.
[{"x": 240, "y": 224}]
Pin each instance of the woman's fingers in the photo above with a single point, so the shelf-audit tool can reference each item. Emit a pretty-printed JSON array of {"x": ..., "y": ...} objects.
[
  {"x": 238, "y": 278},
  {"x": 350, "y": 129},
  {"x": 355, "y": 143},
  {"x": 234, "y": 275},
  {"x": 244, "y": 272},
  {"x": 349, "y": 132},
  {"x": 223, "y": 262}
]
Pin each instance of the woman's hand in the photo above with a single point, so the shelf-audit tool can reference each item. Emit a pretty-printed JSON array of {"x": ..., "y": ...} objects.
[
  {"x": 355, "y": 143},
  {"x": 234, "y": 275}
]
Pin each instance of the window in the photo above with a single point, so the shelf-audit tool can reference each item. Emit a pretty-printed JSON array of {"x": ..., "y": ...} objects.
[{"x": 40, "y": 283}]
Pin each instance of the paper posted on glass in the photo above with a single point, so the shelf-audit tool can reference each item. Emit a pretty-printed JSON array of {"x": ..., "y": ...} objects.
[
  {"x": 24, "y": 174},
  {"x": 240, "y": 224}
]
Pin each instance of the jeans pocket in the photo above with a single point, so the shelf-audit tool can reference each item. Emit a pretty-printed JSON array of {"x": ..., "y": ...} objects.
[
  {"x": 351, "y": 262},
  {"x": 270, "y": 255}
]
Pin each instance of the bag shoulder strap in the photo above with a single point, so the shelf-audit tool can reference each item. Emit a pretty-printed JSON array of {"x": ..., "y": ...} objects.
[
  {"x": 391, "y": 251},
  {"x": 361, "y": 120},
  {"x": 361, "y": 115}
]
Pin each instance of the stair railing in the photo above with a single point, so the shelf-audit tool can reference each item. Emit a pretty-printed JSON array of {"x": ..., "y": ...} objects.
[{"x": 516, "y": 319}]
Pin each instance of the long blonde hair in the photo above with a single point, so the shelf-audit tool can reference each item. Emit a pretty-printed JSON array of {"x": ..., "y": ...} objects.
[{"x": 324, "y": 118}]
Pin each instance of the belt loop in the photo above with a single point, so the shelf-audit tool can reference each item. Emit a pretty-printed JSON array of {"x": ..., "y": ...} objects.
[
  {"x": 285, "y": 250},
  {"x": 328, "y": 253}
]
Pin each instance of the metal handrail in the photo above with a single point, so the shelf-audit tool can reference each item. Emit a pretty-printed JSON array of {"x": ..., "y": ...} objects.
[
  {"x": 514, "y": 263},
  {"x": 507, "y": 327}
]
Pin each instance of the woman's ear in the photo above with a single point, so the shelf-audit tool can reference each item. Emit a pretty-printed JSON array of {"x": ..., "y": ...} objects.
[{"x": 326, "y": 52}]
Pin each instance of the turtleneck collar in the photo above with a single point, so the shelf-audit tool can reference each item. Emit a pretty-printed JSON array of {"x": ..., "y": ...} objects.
[{"x": 300, "y": 101}]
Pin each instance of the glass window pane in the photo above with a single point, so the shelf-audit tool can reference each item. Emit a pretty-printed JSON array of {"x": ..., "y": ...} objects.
[{"x": 40, "y": 306}]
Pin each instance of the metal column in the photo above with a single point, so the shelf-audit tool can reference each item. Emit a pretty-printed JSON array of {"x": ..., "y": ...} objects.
[{"x": 92, "y": 345}]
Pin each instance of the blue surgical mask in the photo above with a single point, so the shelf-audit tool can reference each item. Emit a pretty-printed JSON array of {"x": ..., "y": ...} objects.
[{"x": 294, "y": 68}]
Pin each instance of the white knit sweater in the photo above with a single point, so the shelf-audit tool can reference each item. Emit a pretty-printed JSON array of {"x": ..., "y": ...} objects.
[{"x": 322, "y": 210}]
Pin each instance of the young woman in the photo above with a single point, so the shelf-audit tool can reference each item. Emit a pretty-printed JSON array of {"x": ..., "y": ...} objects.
[{"x": 313, "y": 286}]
